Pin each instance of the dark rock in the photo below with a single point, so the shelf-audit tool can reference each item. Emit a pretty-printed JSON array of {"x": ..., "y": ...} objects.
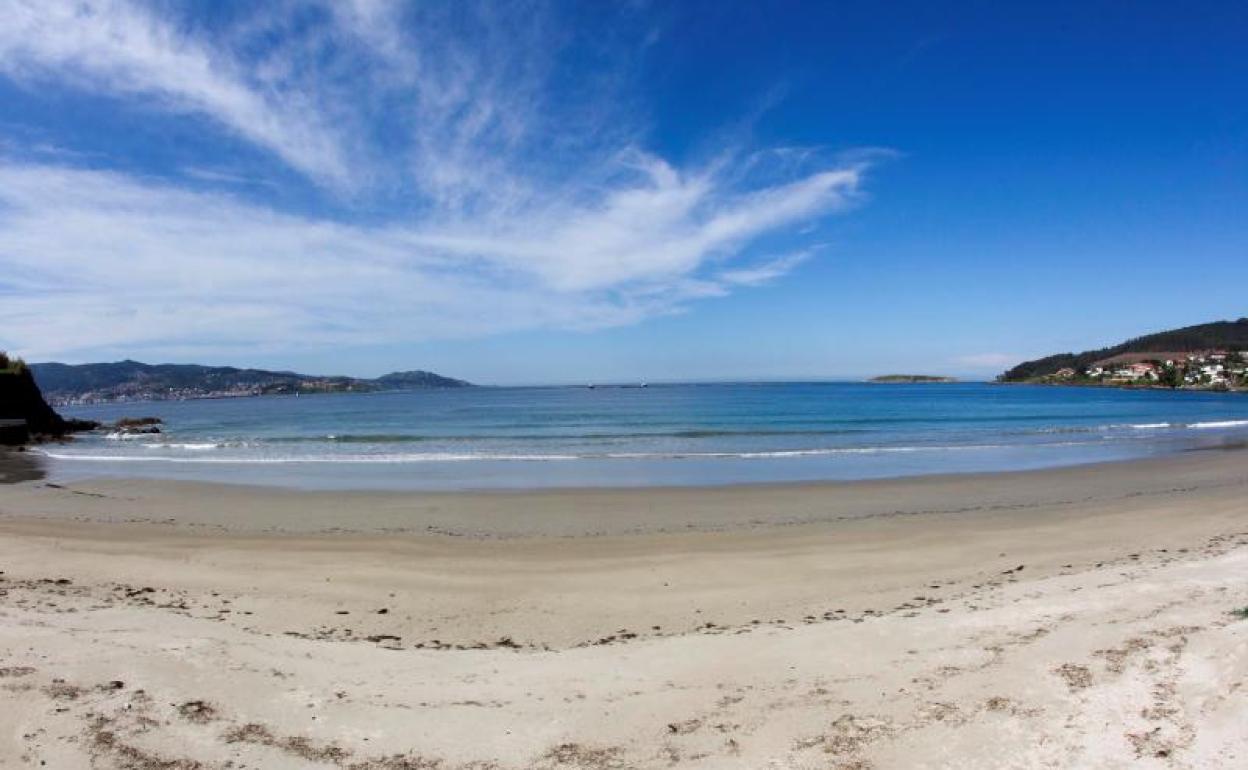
[
  {"x": 24, "y": 415},
  {"x": 137, "y": 422}
]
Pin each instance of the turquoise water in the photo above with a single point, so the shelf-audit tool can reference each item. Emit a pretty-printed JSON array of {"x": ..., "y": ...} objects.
[{"x": 663, "y": 434}]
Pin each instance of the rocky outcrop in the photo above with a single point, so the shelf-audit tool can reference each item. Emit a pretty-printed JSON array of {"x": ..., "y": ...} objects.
[
  {"x": 24, "y": 415},
  {"x": 136, "y": 426}
]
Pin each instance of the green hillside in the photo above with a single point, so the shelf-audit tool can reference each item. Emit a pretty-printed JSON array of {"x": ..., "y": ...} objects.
[
  {"x": 133, "y": 380},
  {"x": 1219, "y": 335}
]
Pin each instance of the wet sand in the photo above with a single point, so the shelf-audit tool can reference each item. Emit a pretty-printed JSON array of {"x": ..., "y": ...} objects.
[
  {"x": 18, "y": 465},
  {"x": 1070, "y": 618}
]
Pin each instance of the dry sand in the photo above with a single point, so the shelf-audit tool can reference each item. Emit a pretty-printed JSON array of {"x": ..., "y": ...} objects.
[{"x": 1066, "y": 618}]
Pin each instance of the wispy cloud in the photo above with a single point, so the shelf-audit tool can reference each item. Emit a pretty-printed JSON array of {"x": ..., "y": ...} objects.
[
  {"x": 103, "y": 261},
  {"x": 660, "y": 228},
  {"x": 511, "y": 194},
  {"x": 118, "y": 48},
  {"x": 765, "y": 272}
]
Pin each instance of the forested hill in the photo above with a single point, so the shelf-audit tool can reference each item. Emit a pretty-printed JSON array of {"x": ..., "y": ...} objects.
[
  {"x": 135, "y": 381},
  {"x": 1219, "y": 335}
]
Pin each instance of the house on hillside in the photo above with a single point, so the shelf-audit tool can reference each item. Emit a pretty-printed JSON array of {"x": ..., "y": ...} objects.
[{"x": 1135, "y": 372}]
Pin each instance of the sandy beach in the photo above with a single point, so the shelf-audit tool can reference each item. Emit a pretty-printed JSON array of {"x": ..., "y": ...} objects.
[{"x": 1078, "y": 617}]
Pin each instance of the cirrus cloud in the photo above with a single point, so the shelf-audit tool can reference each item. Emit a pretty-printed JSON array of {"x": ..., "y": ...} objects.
[{"x": 501, "y": 193}]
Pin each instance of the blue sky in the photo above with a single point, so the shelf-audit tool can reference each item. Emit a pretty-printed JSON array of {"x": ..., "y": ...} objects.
[{"x": 562, "y": 192}]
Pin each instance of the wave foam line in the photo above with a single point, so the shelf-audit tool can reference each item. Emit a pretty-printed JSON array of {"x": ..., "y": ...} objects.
[{"x": 432, "y": 457}]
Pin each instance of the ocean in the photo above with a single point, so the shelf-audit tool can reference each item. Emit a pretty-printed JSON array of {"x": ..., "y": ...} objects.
[{"x": 687, "y": 434}]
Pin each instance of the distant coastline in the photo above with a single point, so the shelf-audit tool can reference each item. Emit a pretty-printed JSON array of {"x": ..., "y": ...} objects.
[
  {"x": 1206, "y": 357},
  {"x": 126, "y": 381},
  {"x": 911, "y": 378},
  {"x": 1215, "y": 370}
]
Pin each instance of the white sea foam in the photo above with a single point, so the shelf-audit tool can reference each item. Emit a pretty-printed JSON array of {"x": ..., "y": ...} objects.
[
  {"x": 1220, "y": 424},
  {"x": 195, "y": 455},
  {"x": 301, "y": 459},
  {"x": 119, "y": 435},
  {"x": 1140, "y": 426},
  {"x": 1179, "y": 425},
  {"x": 768, "y": 454}
]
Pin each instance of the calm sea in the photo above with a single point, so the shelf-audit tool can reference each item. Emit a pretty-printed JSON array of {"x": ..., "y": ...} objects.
[{"x": 659, "y": 435}]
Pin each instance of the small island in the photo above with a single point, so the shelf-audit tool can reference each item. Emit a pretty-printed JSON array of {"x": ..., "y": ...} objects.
[{"x": 895, "y": 378}]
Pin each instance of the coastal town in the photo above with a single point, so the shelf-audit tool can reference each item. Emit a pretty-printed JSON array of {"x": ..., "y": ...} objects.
[
  {"x": 1202, "y": 370},
  {"x": 127, "y": 381}
]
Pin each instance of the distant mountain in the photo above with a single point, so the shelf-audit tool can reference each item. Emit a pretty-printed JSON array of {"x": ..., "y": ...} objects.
[
  {"x": 1220, "y": 335},
  {"x": 136, "y": 381}
]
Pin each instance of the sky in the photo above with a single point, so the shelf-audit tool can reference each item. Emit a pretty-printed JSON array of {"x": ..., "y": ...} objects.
[{"x": 531, "y": 192}]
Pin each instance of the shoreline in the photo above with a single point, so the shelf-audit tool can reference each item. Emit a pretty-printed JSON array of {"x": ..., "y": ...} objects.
[
  {"x": 521, "y": 475},
  {"x": 1125, "y": 386},
  {"x": 507, "y": 513},
  {"x": 849, "y": 624}
]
